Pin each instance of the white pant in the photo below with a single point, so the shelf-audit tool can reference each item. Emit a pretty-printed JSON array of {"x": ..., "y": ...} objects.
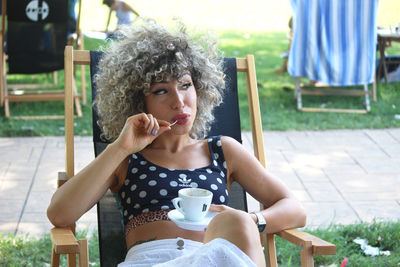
[{"x": 168, "y": 252}]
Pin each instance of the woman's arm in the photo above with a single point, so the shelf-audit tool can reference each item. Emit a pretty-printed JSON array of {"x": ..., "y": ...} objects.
[
  {"x": 283, "y": 211},
  {"x": 86, "y": 188},
  {"x": 126, "y": 7},
  {"x": 82, "y": 191}
]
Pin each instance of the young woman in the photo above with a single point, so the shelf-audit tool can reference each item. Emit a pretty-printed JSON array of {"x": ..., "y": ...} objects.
[{"x": 156, "y": 92}]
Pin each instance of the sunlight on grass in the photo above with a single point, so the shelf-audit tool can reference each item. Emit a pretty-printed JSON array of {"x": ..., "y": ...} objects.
[{"x": 252, "y": 15}]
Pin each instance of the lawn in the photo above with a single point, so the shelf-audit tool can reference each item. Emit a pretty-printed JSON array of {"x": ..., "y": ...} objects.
[
  {"x": 278, "y": 106},
  {"x": 262, "y": 34}
]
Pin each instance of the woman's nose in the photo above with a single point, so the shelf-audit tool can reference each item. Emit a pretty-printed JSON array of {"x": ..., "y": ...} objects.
[{"x": 178, "y": 100}]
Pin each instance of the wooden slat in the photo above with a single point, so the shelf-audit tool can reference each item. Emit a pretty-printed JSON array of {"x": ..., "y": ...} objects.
[
  {"x": 15, "y": 86},
  {"x": 306, "y": 254},
  {"x": 319, "y": 246},
  {"x": 76, "y": 100},
  {"x": 84, "y": 253},
  {"x": 241, "y": 64},
  {"x": 6, "y": 106},
  {"x": 360, "y": 111},
  {"x": 36, "y": 92},
  {"x": 45, "y": 117},
  {"x": 247, "y": 66},
  {"x": 2, "y": 56},
  {"x": 69, "y": 112},
  {"x": 55, "y": 258},
  {"x": 254, "y": 109},
  {"x": 271, "y": 251},
  {"x": 82, "y": 57},
  {"x": 64, "y": 241},
  {"x": 35, "y": 97},
  {"x": 333, "y": 92}
]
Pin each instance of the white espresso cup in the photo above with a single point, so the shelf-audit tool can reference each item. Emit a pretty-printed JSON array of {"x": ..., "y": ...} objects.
[{"x": 193, "y": 203}]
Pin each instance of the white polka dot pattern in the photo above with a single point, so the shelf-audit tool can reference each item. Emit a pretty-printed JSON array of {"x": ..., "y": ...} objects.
[{"x": 149, "y": 187}]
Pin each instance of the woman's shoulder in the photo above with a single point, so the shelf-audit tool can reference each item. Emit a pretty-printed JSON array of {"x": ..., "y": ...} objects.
[
  {"x": 216, "y": 138},
  {"x": 229, "y": 141},
  {"x": 226, "y": 143}
]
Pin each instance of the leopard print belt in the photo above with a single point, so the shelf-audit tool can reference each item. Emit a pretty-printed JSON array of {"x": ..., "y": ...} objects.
[{"x": 152, "y": 216}]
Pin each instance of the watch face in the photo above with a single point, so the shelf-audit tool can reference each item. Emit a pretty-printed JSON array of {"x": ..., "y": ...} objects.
[
  {"x": 260, "y": 222},
  {"x": 261, "y": 227}
]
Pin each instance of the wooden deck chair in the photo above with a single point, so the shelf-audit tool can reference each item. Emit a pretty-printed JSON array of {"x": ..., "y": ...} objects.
[
  {"x": 334, "y": 43},
  {"x": 110, "y": 226},
  {"x": 33, "y": 39}
]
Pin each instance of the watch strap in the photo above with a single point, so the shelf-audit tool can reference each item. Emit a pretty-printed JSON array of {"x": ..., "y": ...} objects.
[{"x": 261, "y": 223}]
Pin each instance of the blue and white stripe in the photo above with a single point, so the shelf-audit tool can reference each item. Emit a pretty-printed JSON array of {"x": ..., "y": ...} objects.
[{"x": 334, "y": 41}]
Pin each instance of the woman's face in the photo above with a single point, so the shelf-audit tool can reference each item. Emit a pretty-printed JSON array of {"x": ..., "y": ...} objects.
[{"x": 174, "y": 100}]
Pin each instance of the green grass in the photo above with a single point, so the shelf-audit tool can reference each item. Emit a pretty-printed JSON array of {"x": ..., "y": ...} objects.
[
  {"x": 27, "y": 251},
  {"x": 384, "y": 235},
  {"x": 278, "y": 106},
  {"x": 16, "y": 251}
]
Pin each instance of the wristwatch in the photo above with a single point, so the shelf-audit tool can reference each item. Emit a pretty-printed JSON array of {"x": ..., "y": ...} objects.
[{"x": 261, "y": 223}]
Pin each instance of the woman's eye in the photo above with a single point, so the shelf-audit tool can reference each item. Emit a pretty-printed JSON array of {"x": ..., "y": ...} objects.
[
  {"x": 159, "y": 92},
  {"x": 187, "y": 85}
]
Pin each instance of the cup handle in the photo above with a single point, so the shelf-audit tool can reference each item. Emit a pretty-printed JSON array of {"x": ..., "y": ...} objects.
[{"x": 176, "y": 202}]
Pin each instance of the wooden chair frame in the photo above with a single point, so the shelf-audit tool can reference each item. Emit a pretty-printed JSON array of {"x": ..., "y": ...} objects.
[
  {"x": 63, "y": 239},
  {"x": 29, "y": 92},
  {"x": 328, "y": 91}
]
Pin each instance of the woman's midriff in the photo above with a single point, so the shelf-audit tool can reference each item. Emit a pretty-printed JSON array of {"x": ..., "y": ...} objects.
[{"x": 160, "y": 230}]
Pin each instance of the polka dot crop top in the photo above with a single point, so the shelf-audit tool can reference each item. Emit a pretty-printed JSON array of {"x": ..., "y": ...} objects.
[{"x": 148, "y": 189}]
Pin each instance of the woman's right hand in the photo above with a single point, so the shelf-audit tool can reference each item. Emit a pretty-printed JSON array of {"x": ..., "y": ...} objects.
[{"x": 139, "y": 131}]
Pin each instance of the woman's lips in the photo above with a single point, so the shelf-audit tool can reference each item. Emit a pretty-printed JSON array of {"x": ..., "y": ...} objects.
[{"x": 182, "y": 118}]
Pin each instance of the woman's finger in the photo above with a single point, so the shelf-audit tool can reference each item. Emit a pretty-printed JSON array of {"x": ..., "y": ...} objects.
[
  {"x": 150, "y": 125},
  {"x": 156, "y": 127}
]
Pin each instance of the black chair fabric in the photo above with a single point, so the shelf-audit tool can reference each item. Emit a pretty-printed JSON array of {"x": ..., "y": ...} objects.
[
  {"x": 110, "y": 223},
  {"x": 36, "y": 35}
]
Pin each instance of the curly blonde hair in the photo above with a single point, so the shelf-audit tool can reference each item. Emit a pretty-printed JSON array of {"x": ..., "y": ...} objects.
[{"x": 147, "y": 53}]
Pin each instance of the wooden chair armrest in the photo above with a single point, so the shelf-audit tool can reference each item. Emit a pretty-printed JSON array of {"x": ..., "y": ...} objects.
[
  {"x": 64, "y": 241},
  {"x": 319, "y": 246}
]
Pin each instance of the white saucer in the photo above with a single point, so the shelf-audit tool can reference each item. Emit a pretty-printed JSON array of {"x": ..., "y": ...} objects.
[{"x": 179, "y": 220}]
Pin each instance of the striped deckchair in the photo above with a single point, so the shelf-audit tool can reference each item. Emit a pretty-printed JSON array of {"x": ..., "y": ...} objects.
[{"x": 334, "y": 43}]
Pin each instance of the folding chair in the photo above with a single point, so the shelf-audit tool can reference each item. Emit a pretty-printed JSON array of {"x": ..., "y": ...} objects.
[
  {"x": 33, "y": 43},
  {"x": 110, "y": 226},
  {"x": 334, "y": 42}
]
